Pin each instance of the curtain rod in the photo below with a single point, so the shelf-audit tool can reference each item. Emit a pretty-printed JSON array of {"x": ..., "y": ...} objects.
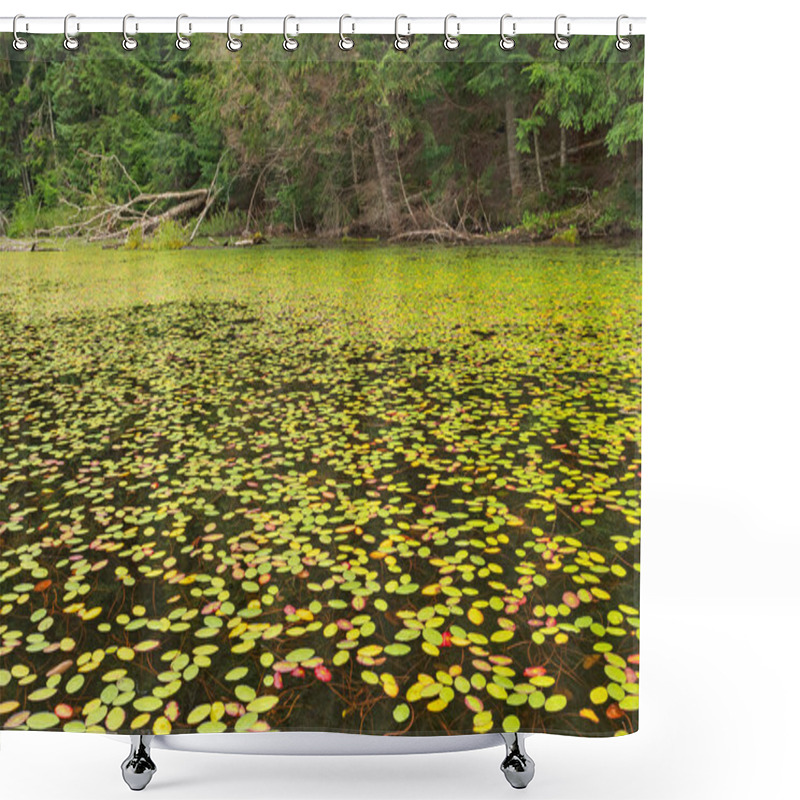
[{"x": 347, "y": 25}]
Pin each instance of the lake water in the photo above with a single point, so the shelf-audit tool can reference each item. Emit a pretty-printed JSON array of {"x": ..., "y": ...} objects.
[{"x": 372, "y": 490}]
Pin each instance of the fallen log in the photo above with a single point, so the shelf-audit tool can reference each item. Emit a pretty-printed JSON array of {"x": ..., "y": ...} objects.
[
  {"x": 17, "y": 246},
  {"x": 437, "y": 234},
  {"x": 14, "y": 246},
  {"x": 113, "y": 220}
]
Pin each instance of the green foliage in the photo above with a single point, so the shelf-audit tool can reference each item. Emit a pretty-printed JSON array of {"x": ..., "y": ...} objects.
[
  {"x": 541, "y": 223},
  {"x": 102, "y": 124},
  {"x": 312, "y": 143},
  {"x": 134, "y": 239},
  {"x": 29, "y": 216},
  {"x": 568, "y": 237},
  {"x": 620, "y": 210},
  {"x": 170, "y": 235},
  {"x": 24, "y": 218},
  {"x": 593, "y": 87},
  {"x": 228, "y": 222}
]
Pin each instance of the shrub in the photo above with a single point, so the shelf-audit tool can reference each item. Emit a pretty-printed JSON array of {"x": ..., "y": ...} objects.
[
  {"x": 170, "y": 236},
  {"x": 567, "y": 237},
  {"x": 135, "y": 238}
]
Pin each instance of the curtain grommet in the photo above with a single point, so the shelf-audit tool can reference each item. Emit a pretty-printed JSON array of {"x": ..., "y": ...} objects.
[
  {"x": 622, "y": 43},
  {"x": 345, "y": 42},
  {"x": 561, "y": 43},
  {"x": 290, "y": 44},
  {"x": 233, "y": 44},
  {"x": 70, "y": 42},
  {"x": 18, "y": 43},
  {"x": 401, "y": 43},
  {"x": 128, "y": 42},
  {"x": 451, "y": 42},
  {"x": 181, "y": 42},
  {"x": 506, "y": 42}
]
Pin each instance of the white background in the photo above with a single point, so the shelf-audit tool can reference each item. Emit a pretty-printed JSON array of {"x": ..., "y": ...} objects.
[{"x": 720, "y": 446}]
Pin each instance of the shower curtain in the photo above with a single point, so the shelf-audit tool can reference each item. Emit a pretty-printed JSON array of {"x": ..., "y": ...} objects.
[{"x": 321, "y": 386}]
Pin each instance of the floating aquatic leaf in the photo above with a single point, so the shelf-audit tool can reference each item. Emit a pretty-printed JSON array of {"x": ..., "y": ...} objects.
[
  {"x": 198, "y": 714},
  {"x": 615, "y": 674},
  {"x": 401, "y": 713},
  {"x": 42, "y": 694},
  {"x": 396, "y": 649},
  {"x": 482, "y": 721},
  {"x": 496, "y": 691},
  {"x": 245, "y": 722},
  {"x": 598, "y": 695},
  {"x": 146, "y": 646},
  {"x": 212, "y": 727},
  {"x": 245, "y": 693},
  {"x": 473, "y": 703},
  {"x": 263, "y": 703},
  {"x": 147, "y": 704},
  {"x": 341, "y": 658},
  {"x": 475, "y": 616},
  {"x": 161, "y": 727},
  {"x": 555, "y": 703},
  {"x": 615, "y": 691},
  {"x": 115, "y": 718},
  {"x": 42, "y": 721},
  {"x": 511, "y": 724},
  {"x": 301, "y": 654}
]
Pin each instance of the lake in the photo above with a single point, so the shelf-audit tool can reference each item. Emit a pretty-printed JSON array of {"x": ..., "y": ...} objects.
[{"x": 365, "y": 489}]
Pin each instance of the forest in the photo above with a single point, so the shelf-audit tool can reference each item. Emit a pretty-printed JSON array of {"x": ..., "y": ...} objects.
[{"x": 110, "y": 145}]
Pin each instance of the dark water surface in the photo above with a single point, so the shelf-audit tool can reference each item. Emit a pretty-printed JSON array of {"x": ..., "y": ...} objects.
[{"x": 383, "y": 491}]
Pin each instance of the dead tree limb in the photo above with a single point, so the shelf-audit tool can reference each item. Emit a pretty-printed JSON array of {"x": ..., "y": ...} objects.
[
  {"x": 111, "y": 221},
  {"x": 571, "y": 150},
  {"x": 437, "y": 234},
  {"x": 210, "y": 198}
]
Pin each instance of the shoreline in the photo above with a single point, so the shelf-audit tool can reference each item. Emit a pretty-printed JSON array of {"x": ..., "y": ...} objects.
[{"x": 510, "y": 238}]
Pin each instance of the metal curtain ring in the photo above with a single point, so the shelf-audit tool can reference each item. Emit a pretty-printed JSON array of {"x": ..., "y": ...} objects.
[
  {"x": 507, "y": 43},
  {"x": 450, "y": 42},
  {"x": 560, "y": 42},
  {"x": 233, "y": 44},
  {"x": 19, "y": 44},
  {"x": 128, "y": 42},
  {"x": 401, "y": 43},
  {"x": 289, "y": 43},
  {"x": 182, "y": 43},
  {"x": 345, "y": 43},
  {"x": 623, "y": 44},
  {"x": 70, "y": 42}
]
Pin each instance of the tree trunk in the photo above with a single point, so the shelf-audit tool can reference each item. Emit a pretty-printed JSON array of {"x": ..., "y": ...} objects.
[
  {"x": 27, "y": 188},
  {"x": 356, "y": 186},
  {"x": 563, "y": 159},
  {"x": 390, "y": 205},
  {"x": 538, "y": 157},
  {"x": 403, "y": 188},
  {"x": 514, "y": 171}
]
